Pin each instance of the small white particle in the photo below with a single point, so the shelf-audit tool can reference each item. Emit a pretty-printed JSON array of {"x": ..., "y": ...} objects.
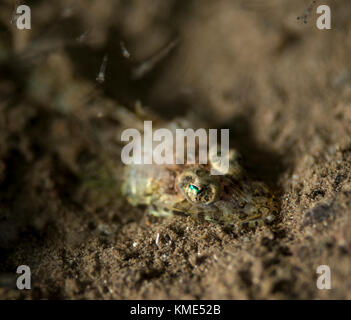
[
  {"x": 125, "y": 52},
  {"x": 101, "y": 76},
  {"x": 83, "y": 36},
  {"x": 157, "y": 239}
]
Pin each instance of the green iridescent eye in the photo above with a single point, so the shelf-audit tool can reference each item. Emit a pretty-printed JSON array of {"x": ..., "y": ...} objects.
[{"x": 194, "y": 188}]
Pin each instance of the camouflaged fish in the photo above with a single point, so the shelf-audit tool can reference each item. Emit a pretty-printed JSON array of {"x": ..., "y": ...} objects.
[{"x": 232, "y": 199}]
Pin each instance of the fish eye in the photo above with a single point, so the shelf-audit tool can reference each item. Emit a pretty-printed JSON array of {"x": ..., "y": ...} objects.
[
  {"x": 194, "y": 188},
  {"x": 198, "y": 186}
]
